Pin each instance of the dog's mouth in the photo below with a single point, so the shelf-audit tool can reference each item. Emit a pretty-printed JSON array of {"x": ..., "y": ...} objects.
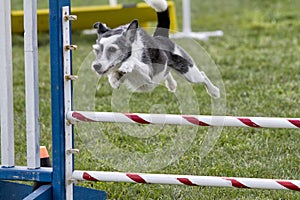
[
  {"x": 110, "y": 68},
  {"x": 121, "y": 74},
  {"x": 106, "y": 71}
]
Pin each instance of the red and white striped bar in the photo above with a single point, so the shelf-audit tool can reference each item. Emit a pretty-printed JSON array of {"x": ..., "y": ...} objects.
[
  {"x": 249, "y": 183},
  {"x": 198, "y": 120}
]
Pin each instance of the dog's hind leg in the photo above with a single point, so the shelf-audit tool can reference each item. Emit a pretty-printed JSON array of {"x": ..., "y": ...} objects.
[
  {"x": 170, "y": 83},
  {"x": 210, "y": 87},
  {"x": 196, "y": 76},
  {"x": 186, "y": 67}
]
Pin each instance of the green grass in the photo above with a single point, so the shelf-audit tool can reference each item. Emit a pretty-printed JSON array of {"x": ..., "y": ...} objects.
[{"x": 258, "y": 59}]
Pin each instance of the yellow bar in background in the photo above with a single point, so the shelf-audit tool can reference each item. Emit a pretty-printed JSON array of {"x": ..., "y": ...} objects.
[{"x": 113, "y": 16}]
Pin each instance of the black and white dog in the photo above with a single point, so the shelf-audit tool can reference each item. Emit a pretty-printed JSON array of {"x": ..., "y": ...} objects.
[{"x": 128, "y": 54}]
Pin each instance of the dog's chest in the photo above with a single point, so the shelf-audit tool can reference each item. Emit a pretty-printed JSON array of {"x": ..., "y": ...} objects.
[{"x": 142, "y": 78}]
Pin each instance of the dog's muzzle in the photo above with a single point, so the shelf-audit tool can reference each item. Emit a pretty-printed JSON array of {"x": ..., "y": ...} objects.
[{"x": 97, "y": 67}]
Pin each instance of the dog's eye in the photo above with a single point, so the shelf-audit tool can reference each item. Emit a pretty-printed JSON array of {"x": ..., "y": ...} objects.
[{"x": 112, "y": 49}]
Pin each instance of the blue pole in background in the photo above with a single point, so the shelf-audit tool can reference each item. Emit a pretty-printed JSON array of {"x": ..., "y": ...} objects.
[{"x": 57, "y": 97}]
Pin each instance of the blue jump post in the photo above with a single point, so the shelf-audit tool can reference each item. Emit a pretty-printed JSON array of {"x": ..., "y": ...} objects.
[
  {"x": 59, "y": 181},
  {"x": 57, "y": 97}
]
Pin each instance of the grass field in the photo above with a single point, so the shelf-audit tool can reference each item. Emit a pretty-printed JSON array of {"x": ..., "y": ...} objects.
[{"x": 259, "y": 65}]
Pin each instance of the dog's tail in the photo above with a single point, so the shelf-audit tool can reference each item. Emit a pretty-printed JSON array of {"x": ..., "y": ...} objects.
[
  {"x": 163, "y": 19},
  {"x": 157, "y": 5}
]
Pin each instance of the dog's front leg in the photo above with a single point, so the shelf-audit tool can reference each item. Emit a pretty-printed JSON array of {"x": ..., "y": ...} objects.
[
  {"x": 126, "y": 67},
  {"x": 170, "y": 83},
  {"x": 114, "y": 79}
]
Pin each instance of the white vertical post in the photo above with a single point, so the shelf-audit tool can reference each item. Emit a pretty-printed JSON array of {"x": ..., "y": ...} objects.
[
  {"x": 68, "y": 99},
  {"x": 186, "y": 16},
  {"x": 113, "y": 2},
  {"x": 187, "y": 30},
  {"x": 31, "y": 84},
  {"x": 6, "y": 87}
]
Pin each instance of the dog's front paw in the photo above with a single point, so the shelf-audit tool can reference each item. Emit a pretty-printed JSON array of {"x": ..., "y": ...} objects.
[
  {"x": 114, "y": 80},
  {"x": 114, "y": 84},
  {"x": 126, "y": 68}
]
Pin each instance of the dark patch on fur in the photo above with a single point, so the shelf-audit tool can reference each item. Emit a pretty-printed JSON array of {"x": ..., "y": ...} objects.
[
  {"x": 157, "y": 56},
  {"x": 178, "y": 63},
  {"x": 112, "y": 32},
  {"x": 100, "y": 28},
  {"x": 145, "y": 57},
  {"x": 163, "y": 24},
  {"x": 125, "y": 47}
]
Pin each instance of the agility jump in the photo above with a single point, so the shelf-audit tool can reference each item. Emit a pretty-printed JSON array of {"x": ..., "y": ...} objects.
[
  {"x": 72, "y": 117},
  {"x": 61, "y": 176}
]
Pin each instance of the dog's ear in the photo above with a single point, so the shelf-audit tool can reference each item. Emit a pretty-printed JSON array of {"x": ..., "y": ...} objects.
[
  {"x": 130, "y": 33},
  {"x": 101, "y": 28}
]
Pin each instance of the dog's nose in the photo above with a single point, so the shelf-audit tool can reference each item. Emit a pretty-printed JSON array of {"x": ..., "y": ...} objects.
[{"x": 97, "y": 66}]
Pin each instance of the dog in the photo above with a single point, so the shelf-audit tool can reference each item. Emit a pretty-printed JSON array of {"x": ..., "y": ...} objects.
[{"x": 128, "y": 54}]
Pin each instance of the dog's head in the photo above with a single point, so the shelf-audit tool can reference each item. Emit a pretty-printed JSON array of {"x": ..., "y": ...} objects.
[{"x": 113, "y": 46}]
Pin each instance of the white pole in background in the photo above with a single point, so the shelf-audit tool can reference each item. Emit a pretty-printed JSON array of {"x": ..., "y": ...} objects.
[
  {"x": 31, "y": 82},
  {"x": 187, "y": 30},
  {"x": 113, "y": 2},
  {"x": 186, "y": 14},
  {"x": 6, "y": 87}
]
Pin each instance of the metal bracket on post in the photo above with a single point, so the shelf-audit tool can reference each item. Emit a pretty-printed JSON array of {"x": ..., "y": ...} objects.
[
  {"x": 70, "y": 17},
  {"x": 66, "y": 18},
  {"x": 71, "y": 77},
  {"x": 70, "y": 47},
  {"x": 72, "y": 151}
]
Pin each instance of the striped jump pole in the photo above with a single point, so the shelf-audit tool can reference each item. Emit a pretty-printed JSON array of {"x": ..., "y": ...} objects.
[
  {"x": 188, "y": 180},
  {"x": 198, "y": 120}
]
